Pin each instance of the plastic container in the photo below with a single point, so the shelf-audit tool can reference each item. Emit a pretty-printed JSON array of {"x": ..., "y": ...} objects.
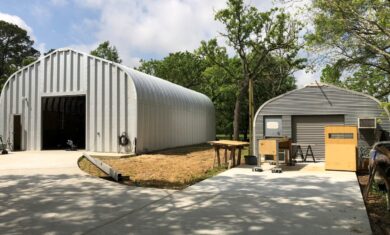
[{"x": 250, "y": 160}]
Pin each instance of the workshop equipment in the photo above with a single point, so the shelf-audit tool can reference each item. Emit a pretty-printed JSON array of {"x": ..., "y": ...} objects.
[{"x": 271, "y": 147}]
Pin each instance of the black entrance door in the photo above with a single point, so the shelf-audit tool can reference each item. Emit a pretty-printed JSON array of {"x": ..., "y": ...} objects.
[
  {"x": 17, "y": 145},
  {"x": 63, "y": 119}
]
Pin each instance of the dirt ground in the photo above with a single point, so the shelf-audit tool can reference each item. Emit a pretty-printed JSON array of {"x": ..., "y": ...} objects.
[
  {"x": 376, "y": 208},
  {"x": 174, "y": 169}
]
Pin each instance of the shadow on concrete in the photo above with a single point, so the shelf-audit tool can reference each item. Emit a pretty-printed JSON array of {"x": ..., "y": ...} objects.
[
  {"x": 252, "y": 204},
  {"x": 65, "y": 204}
]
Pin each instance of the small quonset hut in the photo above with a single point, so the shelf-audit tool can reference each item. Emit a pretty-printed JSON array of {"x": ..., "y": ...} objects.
[
  {"x": 303, "y": 113},
  {"x": 92, "y": 101}
]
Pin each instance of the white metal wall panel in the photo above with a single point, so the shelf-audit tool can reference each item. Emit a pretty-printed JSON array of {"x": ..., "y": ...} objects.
[
  {"x": 170, "y": 115},
  {"x": 67, "y": 72},
  {"x": 155, "y": 113}
]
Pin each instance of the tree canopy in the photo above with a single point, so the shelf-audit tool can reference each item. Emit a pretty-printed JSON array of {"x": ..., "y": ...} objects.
[
  {"x": 355, "y": 36},
  {"x": 16, "y": 50},
  {"x": 183, "y": 68},
  {"x": 258, "y": 39},
  {"x": 105, "y": 51},
  {"x": 265, "y": 50}
]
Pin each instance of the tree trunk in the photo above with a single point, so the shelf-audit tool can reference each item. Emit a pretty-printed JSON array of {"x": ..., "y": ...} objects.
[
  {"x": 237, "y": 109},
  {"x": 251, "y": 115},
  {"x": 236, "y": 120}
]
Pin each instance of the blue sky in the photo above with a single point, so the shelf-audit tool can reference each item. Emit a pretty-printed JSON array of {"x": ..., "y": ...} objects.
[{"x": 140, "y": 29}]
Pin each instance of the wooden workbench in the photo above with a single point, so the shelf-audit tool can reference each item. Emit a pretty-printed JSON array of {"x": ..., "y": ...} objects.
[{"x": 230, "y": 145}]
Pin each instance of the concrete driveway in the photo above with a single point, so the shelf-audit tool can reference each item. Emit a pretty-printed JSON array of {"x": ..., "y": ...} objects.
[
  {"x": 237, "y": 201},
  {"x": 46, "y": 193},
  {"x": 240, "y": 201}
]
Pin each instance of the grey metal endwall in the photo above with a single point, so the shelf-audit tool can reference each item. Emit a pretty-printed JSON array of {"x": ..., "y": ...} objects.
[
  {"x": 311, "y": 100},
  {"x": 311, "y": 128}
]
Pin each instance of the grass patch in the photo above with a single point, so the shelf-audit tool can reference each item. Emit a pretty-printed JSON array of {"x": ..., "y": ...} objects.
[
  {"x": 174, "y": 169},
  {"x": 228, "y": 137}
]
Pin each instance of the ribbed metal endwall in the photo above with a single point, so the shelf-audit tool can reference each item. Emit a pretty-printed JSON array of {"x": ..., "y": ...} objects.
[
  {"x": 154, "y": 113},
  {"x": 323, "y": 100},
  {"x": 108, "y": 93}
]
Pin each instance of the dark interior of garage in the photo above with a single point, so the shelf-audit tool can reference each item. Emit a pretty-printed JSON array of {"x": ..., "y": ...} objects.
[{"x": 63, "y": 119}]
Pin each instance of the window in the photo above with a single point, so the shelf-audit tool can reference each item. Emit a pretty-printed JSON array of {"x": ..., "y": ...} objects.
[{"x": 340, "y": 136}]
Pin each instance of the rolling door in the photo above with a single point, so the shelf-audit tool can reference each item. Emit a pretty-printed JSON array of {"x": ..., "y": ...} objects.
[{"x": 310, "y": 130}]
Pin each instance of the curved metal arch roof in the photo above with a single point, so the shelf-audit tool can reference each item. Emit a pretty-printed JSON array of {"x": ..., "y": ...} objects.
[
  {"x": 153, "y": 89},
  {"x": 317, "y": 84},
  {"x": 148, "y": 88}
]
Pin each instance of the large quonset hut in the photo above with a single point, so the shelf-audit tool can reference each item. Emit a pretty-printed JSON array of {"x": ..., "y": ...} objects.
[
  {"x": 303, "y": 113},
  {"x": 91, "y": 101}
]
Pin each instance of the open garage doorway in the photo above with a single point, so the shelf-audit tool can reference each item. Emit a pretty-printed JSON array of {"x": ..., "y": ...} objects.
[{"x": 63, "y": 119}]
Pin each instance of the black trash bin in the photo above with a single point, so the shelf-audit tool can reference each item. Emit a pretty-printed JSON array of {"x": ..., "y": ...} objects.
[{"x": 250, "y": 160}]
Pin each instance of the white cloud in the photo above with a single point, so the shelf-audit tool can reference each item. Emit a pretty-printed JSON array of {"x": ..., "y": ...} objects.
[
  {"x": 90, "y": 3},
  {"x": 158, "y": 27},
  {"x": 154, "y": 28},
  {"x": 306, "y": 77},
  {"x": 59, "y": 3},
  {"x": 41, "y": 13},
  {"x": 86, "y": 48},
  {"x": 17, "y": 21},
  {"x": 41, "y": 47}
]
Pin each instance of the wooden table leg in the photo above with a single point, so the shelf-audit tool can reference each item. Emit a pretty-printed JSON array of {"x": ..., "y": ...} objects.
[
  {"x": 215, "y": 155},
  {"x": 231, "y": 163},
  {"x": 290, "y": 155},
  {"x": 218, "y": 156},
  {"x": 239, "y": 157},
  {"x": 234, "y": 156},
  {"x": 226, "y": 160}
]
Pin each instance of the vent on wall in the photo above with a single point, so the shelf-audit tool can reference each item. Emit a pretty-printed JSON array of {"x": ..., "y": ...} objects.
[{"x": 367, "y": 123}]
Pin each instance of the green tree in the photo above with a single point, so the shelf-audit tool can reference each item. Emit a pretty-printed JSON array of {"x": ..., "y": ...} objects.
[
  {"x": 356, "y": 37},
  {"x": 255, "y": 36},
  {"x": 105, "y": 51},
  {"x": 331, "y": 75},
  {"x": 196, "y": 72},
  {"x": 371, "y": 81},
  {"x": 221, "y": 87},
  {"x": 16, "y": 50},
  {"x": 183, "y": 68},
  {"x": 366, "y": 79}
]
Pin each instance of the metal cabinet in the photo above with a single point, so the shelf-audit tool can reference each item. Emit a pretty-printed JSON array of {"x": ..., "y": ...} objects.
[{"x": 340, "y": 148}]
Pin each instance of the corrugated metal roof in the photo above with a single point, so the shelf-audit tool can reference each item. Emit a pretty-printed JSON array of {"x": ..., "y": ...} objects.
[{"x": 154, "y": 112}]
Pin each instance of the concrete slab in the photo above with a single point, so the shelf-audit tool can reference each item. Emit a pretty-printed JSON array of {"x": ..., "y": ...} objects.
[
  {"x": 53, "y": 162},
  {"x": 240, "y": 201},
  {"x": 46, "y": 193}
]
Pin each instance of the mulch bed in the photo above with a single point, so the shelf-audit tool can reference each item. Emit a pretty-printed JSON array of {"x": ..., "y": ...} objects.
[
  {"x": 173, "y": 169},
  {"x": 376, "y": 208}
]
